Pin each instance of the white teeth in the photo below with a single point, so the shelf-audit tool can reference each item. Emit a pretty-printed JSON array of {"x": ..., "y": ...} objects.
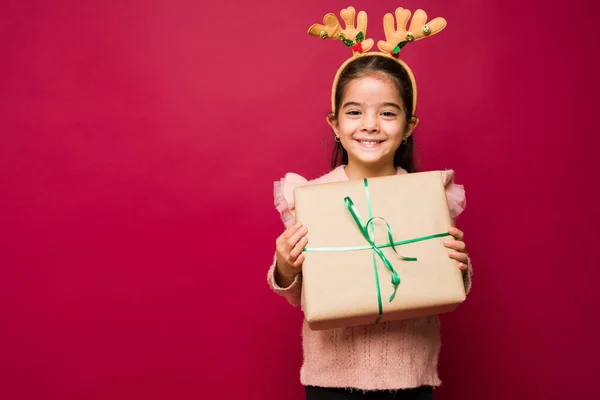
[{"x": 368, "y": 142}]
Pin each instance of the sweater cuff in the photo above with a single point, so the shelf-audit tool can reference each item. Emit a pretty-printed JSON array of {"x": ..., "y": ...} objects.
[{"x": 291, "y": 293}]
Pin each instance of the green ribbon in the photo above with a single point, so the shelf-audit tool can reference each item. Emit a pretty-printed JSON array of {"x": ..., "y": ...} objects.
[
  {"x": 371, "y": 239},
  {"x": 369, "y": 236}
]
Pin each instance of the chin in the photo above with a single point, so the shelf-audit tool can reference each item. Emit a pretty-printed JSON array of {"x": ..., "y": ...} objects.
[{"x": 371, "y": 159}]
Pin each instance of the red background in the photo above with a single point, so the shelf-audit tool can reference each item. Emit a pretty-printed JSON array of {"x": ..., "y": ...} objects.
[{"x": 139, "y": 144}]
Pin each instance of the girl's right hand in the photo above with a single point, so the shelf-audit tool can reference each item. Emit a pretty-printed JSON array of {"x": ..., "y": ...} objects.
[{"x": 289, "y": 253}]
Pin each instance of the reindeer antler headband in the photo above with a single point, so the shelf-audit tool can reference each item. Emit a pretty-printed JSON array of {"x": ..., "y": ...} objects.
[{"x": 395, "y": 39}]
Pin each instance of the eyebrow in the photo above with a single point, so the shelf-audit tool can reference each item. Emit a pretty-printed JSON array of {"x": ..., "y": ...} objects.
[{"x": 388, "y": 104}]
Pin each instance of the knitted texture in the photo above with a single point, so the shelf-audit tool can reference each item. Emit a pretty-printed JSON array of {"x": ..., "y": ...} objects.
[{"x": 391, "y": 355}]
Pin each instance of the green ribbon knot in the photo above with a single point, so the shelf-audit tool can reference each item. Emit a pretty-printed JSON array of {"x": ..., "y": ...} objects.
[{"x": 370, "y": 237}]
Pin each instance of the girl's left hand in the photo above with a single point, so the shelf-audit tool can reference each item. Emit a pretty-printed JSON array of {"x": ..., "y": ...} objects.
[{"x": 458, "y": 246}]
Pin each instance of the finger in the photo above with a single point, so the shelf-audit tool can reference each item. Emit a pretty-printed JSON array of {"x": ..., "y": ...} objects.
[
  {"x": 460, "y": 257},
  {"x": 457, "y": 233},
  {"x": 457, "y": 245},
  {"x": 299, "y": 261},
  {"x": 361, "y": 23},
  {"x": 463, "y": 267},
  {"x": 295, "y": 238},
  {"x": 348, "y": 17},
  {"x": 402, "y": 17},
  {"x": 388, "y": 26},
  {"x": 297, "y": 250},
  {"x": 289, "y": 232}
]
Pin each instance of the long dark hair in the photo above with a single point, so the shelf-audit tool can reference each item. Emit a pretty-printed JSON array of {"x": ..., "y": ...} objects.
[{"x": 377, "y": 65}]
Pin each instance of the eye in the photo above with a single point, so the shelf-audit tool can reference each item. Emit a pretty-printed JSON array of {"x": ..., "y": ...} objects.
[
  {"x": 389, "y": 114},
  {"x": 353, "y": 112}
]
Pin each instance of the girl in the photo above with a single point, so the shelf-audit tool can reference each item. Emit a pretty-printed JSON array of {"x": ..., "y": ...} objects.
[{"x": 373, "y": 122}]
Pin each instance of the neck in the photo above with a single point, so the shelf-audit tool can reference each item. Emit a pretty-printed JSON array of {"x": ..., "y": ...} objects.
[{"x": 360, "y": 171}]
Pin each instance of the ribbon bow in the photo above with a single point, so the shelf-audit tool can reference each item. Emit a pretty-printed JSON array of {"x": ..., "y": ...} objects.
[{"x": 370, "y": 237}]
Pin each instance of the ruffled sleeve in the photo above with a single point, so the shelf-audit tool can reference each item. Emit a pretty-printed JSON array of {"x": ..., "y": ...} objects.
[
  {"x": 284, "y": 203},
  {"x": 454, "y": 193},
  {"x": 457, "y": 202},
  {"x": 284, "y": 196}
]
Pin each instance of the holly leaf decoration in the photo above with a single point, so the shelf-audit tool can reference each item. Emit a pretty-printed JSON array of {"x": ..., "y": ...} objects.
[
  {"x": 360, "y": 36},
  {"x": 400, "y": 45},
  {"x": 348, "y": 42}
]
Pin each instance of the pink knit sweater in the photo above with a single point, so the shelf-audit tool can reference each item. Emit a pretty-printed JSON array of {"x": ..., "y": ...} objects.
[{"x": 391, "y": 355}]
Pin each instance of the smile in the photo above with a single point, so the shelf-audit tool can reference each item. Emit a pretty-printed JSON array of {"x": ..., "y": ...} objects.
[{"x": 370, "y": 143}]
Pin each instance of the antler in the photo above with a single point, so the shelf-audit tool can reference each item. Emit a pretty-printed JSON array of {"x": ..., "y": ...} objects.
[
  {"x": 399, "y": 37},
  {"x": 351, "y": 36}
]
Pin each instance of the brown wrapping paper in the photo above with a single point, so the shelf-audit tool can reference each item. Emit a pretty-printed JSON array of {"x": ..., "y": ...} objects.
[{"x": 339, "y": 288}]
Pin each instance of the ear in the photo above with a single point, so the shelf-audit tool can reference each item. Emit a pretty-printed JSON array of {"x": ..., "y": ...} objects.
[
  {"x": 333, "y": 123},
  {"x": 410, "y": 126}
]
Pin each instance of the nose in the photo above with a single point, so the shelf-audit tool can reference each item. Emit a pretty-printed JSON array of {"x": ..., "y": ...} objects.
[{"x": 370, "y": 123}]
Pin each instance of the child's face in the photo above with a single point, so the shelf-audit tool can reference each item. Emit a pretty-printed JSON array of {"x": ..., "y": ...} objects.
[{"x": 371, "y": 121}]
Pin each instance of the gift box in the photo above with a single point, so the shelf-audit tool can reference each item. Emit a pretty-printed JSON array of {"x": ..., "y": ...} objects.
[{"x": 375, "y": 251}]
